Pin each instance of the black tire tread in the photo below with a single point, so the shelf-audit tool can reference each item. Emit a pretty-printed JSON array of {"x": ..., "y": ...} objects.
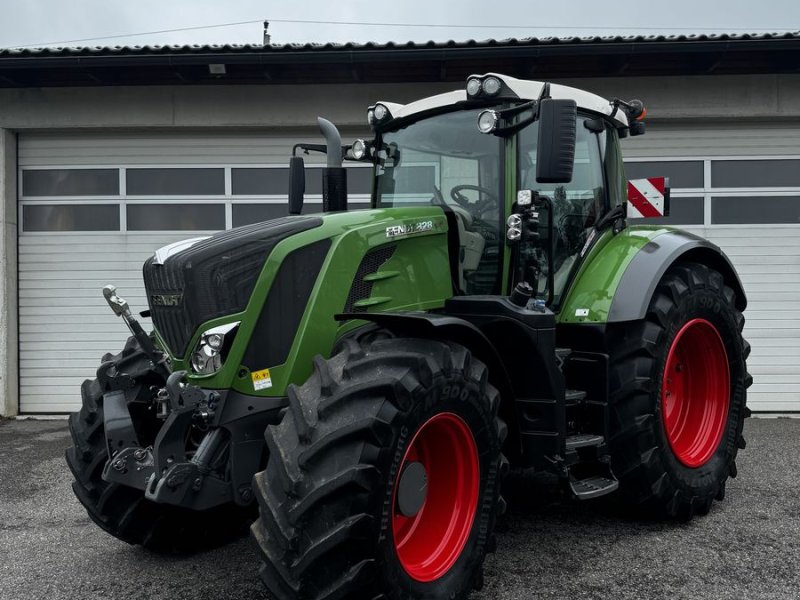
[
  {"x": 346, "y": 408},
  {"x": 635, "y": 449}
]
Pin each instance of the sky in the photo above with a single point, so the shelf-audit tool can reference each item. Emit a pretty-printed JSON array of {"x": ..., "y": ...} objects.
[{"x": 35, "y": 23}]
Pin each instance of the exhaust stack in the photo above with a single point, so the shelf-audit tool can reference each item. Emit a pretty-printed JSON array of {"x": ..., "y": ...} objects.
[{"x": 334, "y": 176}]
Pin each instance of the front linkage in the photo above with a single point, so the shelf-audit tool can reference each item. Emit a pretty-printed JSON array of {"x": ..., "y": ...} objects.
[{"x": 169, "y": 470}]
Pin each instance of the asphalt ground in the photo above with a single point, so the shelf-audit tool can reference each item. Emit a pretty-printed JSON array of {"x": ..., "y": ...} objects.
[{"x": 748, "y": 547}]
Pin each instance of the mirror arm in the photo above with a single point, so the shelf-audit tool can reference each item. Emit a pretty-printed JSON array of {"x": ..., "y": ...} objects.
[
  {"x": 309, "y": 147},
  {"x": 512, "y": 129}
]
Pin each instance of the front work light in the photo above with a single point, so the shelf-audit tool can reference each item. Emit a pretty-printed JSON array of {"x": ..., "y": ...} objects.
[
  {"x": 488, "y": 86},
  {"x": 491, "y": 85},
  {"x": 359, "y": 149},
  {"x": 381, "y": 112},
  {"x": 212, "y": 348},
  {"x": 487, "y": 121}
]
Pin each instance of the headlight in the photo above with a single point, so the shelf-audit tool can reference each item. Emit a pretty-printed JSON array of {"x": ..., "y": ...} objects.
[
  {"x": 473, "y": 86},
  {"x": 359, "y": 149},
  {"x": 487, "y": 121},
  {"x": 212, "y": 349}
]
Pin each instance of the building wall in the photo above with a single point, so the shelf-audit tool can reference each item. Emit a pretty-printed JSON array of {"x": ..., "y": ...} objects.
[
  {"x": 8, "y": 274},
  {"x": 688, "y": 116},
  {"x": 667, "y": 98}
]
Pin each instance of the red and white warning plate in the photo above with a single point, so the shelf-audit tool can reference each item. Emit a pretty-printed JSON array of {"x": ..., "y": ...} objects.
[{"x": 648, "y": 197}]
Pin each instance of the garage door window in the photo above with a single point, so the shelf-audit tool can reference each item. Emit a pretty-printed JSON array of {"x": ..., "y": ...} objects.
[
  {"x": 728, "y": 210},
  {"x": 175, "y": 217},
  {"x": 755, "y": 173},
  {"x": 70, "y": 182},
  {"x": 175, "y": 182},
  {"x": 252, "y": 181},
  {"x": 682, "y": 173},
  {"x": 70, "y": 217}
]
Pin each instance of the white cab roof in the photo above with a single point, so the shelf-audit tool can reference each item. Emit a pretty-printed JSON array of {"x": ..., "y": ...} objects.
[{"x": 526, "y": 90}]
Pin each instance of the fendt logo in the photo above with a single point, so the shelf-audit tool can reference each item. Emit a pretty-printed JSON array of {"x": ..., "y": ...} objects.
[{"x": 166, "y": 299}]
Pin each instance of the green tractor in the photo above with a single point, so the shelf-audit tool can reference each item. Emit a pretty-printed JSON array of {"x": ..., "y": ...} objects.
[{"x": 362, "y": 381}]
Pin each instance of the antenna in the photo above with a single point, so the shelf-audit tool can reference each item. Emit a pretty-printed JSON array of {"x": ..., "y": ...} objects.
[{"x": 267, "y": 36}]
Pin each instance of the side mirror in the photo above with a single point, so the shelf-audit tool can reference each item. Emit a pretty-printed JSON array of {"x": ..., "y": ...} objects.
[
  {"x": 555, "y": 157},
  {"x": 297, "y": 184}
]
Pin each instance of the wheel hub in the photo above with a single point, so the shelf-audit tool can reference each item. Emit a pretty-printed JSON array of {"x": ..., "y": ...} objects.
[
  {"x": 436, "y": 497},
  {"x": 695, "y": 393},
  {"x": 412, "y": 489}
]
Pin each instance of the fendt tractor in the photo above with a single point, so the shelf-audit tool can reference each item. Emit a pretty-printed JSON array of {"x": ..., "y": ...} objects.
[{"x": 355, "y": 385}]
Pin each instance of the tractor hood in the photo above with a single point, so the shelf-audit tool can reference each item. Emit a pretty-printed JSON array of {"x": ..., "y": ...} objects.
[{"x": 204, "y": 278}]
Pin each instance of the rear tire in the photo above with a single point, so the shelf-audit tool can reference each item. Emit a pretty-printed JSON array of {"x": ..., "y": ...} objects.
[
  {"x": 332, "y": 522},
  {"x": 123, "y": 511},
  {"x": 678, "y": 383}
]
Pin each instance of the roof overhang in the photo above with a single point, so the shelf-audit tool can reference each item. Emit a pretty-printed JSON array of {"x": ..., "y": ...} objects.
[{"x": 541, "y": 59}]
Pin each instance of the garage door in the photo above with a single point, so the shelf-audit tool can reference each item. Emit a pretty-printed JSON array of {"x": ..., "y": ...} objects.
[
  {"x": 739, "y": 186},
  {"x": 94, "y": 207}
]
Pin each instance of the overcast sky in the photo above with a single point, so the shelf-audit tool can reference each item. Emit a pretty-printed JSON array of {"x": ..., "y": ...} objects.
[{"x": 44, "y": 22}]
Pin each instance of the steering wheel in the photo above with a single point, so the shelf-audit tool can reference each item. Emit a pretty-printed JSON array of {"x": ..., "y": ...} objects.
[{"x": 481, "y": 205}]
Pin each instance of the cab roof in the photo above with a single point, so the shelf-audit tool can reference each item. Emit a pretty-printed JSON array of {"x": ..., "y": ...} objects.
[{"x": 523, "y": 89}]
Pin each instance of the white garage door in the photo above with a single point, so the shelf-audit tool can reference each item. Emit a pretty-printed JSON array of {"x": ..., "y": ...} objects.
[
  {"x": 739, "y": 186},
  {"x": 94, "y": 207}
]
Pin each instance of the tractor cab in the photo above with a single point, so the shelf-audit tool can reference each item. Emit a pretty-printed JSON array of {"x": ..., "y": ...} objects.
[{"x": 526, "y": 170}]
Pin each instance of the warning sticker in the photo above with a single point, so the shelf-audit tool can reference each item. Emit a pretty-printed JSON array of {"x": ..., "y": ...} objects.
[{"x": 261, "y": 379}]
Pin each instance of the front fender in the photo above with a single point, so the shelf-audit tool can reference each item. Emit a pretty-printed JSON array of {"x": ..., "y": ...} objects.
[{"x": 620, "y": 274}]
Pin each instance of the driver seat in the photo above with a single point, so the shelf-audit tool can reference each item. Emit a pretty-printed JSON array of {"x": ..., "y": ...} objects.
[{"x": 472, "y": 246}]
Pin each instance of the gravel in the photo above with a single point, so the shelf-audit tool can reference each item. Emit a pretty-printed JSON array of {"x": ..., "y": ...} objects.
[{"x": 748, "y": 547}]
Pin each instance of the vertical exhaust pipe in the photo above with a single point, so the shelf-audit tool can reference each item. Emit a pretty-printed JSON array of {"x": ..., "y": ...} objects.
[{"x": 334, "y": 176}]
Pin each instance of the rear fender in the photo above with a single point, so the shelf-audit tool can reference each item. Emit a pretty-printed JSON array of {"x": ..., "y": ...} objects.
[
  {"x": 619, "y": 276},
  {"x": 645, "y": 271}
]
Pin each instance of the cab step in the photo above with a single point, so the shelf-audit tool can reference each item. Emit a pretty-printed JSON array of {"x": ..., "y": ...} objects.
[
  {"x": 593, "y": 486},
  {"x": 573, "y": 397},
  {"x": 593, "y": 478},
  {"x": 584, "y": 440}
]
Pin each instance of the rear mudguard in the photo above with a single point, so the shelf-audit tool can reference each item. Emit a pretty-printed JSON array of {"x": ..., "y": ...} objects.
[{"x": 620, "y": 273}]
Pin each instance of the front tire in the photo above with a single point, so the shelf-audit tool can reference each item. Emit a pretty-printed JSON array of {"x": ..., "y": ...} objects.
[
  {"x": 383, "y": 478},
  {"x": 678, "y": 383}
]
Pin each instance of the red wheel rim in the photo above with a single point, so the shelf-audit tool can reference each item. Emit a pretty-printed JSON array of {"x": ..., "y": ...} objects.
[
  {"x": 695, "y": 393},
  {"x": 429, "y": 543}
]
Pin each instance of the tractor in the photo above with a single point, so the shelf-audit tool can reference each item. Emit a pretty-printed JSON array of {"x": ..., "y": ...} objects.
[{"x": 354, "y": 385}]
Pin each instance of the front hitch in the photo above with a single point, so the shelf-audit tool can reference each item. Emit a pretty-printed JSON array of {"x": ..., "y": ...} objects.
[{"x": 164, "y": 471}]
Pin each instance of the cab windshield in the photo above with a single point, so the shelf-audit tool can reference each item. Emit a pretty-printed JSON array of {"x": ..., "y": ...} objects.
[{"x": 445, "y": 160}]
